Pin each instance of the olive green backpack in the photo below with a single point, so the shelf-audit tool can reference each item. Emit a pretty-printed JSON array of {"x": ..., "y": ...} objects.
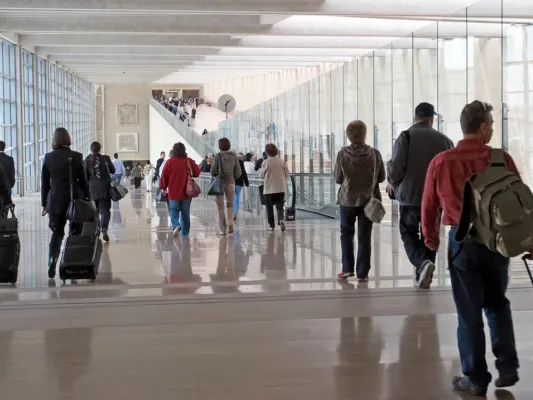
[{"x": 503, "y": 216}]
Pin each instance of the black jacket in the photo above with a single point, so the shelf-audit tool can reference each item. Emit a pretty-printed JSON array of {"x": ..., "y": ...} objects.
[
  {"x": 55, "y": 187},
  {"x": 8, "y": 169},
  {"x": 205, "y": 166},
  {"x": 158, "y": 166},
  {"x": 258, "y": 164},
  {"x": 99, "y": 187},
  {"x": 243, "y": 179}
]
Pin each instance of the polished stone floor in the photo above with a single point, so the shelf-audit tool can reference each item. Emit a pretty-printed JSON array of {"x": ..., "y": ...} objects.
[{"x": 255, "y": 316}]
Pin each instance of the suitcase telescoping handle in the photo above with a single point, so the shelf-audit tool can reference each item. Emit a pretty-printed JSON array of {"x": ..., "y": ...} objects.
[{"x": 527, "y": 258}]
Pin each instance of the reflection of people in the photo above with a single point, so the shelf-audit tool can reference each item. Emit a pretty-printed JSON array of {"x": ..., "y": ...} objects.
[
  {"x": 225, "y": 268},
  {"x": 273, "y": 265},
  {"x": 359, "y": 354},
  {"x": 71, "y": 347},
  {"x": 419, "y": 348},
  {"x": 180, "y": 270}
]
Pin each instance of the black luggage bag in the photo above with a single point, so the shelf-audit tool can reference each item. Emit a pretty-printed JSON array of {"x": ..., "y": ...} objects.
[
  {"x": 81, "y": 256},
  {"x": 9, "y": 245}
]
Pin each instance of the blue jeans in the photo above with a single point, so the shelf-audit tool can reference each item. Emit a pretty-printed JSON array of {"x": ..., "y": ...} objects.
[
  {"x": 116, "y": 178},
  {"x": 349, "y": 215},
  {"x": 412, "y": 238},
  {"x": 180, "y": 215},
  {"x": 479, "y": 281},
  {"x": 236, "y": 199}
]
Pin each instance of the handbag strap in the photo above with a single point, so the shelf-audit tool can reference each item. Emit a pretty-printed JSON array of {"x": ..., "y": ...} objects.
[
  {"x": 70, "y": 177},
  {"x": 189, "y": 168},
  {"x": 375, "y": 175}
]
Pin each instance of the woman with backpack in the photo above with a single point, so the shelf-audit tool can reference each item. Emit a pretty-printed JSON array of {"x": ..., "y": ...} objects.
[{"x": 99, "y": 169}]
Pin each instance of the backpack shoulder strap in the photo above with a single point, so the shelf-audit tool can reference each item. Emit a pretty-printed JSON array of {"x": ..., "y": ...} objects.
[
  {"x": 465, "y": 219},
  {"x": 497, "y": 158}
]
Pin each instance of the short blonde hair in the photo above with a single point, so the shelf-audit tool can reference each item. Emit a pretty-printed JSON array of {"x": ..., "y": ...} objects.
[{"x": 356, "y": 132}]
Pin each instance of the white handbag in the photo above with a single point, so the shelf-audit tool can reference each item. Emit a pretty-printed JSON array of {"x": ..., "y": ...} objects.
[{"x": 374, "y": 209}]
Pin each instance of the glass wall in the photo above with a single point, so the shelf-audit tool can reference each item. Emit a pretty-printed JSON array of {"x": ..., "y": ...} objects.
[
  {"x": 8, "y": 100},
  {"x": 479, "y": 53},
  {"x": 49, "y": 97},
  {"x": 43, "y": 111},
  {"x": 28, "y": 117}
]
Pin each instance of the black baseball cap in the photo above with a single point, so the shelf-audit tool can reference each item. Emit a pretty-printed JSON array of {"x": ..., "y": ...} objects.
[{"x": 425, "y": 110}]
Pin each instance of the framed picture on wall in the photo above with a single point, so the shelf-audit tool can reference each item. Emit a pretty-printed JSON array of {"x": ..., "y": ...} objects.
[
  {"x": 127, "y": 142},
  {"x": 127, "y": 114}
]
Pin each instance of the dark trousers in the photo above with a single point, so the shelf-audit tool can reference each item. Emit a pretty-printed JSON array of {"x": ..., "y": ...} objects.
[
  {"x": 57, "y": 223},
  {"x": 137, "y": 182},
  {"x": 277, "y": 200},
  {"x": 413, "y": 240},
  {"x": 479, "y": 281},
  {"x": 349, "y": 215},
  {"x": 104, "y": 208}
]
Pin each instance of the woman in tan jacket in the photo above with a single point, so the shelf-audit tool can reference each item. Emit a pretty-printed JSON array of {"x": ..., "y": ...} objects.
[{"x": 274, "y": 172}]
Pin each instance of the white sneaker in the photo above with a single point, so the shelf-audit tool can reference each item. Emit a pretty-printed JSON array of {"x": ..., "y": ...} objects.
[
  {"x": 426, "y": 275},
  {"x": 177, "y": 231}
]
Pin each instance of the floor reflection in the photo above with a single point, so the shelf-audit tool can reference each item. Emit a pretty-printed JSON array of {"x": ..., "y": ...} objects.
[{"x": 143, "y": 253}]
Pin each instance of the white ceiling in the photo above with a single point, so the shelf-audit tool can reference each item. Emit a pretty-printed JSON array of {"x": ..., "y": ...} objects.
[{"x": 197, "y": 41}]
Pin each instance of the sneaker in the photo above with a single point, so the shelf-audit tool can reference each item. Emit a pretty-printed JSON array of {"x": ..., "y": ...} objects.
[
  {"x": 105, "y": 236},
  {"x": 345, "y": 275},
  {"x": 506, "y": 380},
  {"x": 177, "y": 231},
  {"x": 230, "y": 230},
  {"x": 363, "y": 279},
  {"x": 271, "y": 229},
  {"x": 425, "y": 275},
  {"x": 283, "y": 227},
  {"x": 221, "y": 233},
  {"x": 464, "y": 384},
  {"x": 235, "y": 218}
]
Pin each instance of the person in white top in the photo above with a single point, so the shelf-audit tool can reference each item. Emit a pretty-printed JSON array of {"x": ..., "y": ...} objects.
[
  {"x": 249, "y": 163},
  {"x": 149, "y": 172},
  {"x": 119, "y": 169},
  {"x": 275, "y": 173}
]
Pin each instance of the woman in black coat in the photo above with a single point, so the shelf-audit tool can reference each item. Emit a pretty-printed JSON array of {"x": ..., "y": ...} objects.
[
  {"x": 99, "y": 169},
  {"x": 55, "y": 190}
]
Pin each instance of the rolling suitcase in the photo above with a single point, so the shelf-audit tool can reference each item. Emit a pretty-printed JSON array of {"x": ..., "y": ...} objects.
[
  {"x": 9, "y": 246},
  {"x": 527, "y": 258},
  {"x": 290, "y": 214},
  {"x": 81, "y": 256}
]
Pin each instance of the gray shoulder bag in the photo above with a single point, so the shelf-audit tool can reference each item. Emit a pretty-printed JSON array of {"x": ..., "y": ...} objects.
[{"x": 374, "y": 209}]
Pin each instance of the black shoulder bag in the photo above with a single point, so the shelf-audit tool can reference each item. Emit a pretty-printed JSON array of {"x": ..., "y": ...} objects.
[{"x": 79, "y": 211}]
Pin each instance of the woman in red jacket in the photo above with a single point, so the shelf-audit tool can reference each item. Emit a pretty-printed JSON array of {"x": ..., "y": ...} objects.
[{"x": 174, "y": 179}]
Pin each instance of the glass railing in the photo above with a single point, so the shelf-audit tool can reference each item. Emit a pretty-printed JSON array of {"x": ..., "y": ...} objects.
[{"x": 201, "y": 144}]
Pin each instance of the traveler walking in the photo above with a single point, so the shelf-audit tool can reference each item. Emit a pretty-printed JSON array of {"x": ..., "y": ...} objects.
[
  {"x": 158, "y": 164},
  {"x": 359, "y": 169},
  {"x": 8, "y": 168},
  {"x": 174, "y": 180},
  {"x": 413, "y": 151},
  {"x": 226, "y": 167},
  {"x": 239, "y": 184},
  {"x": 137, "y": 175},
  {"x": 205, "y": 165},
  {"x": 275, "y": 173},
  {"x": 119, "y": 169},
  {"x": 478, "y": 275},
  {"x": 149, "y": 172},
  {"x": 259, "y": 162},
  {"x": 55, "y": 190},
  {"x": 98, "y": 169},
  {"x": 248, "y": 163}
]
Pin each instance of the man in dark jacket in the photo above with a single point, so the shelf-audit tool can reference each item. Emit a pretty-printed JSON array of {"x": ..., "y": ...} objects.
[
  {"x": 413, "y": 151},
  {"x": 259, "y": 163},
  {"x": 8, "y": 168},
  {"x": 159, "y": 163}
]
